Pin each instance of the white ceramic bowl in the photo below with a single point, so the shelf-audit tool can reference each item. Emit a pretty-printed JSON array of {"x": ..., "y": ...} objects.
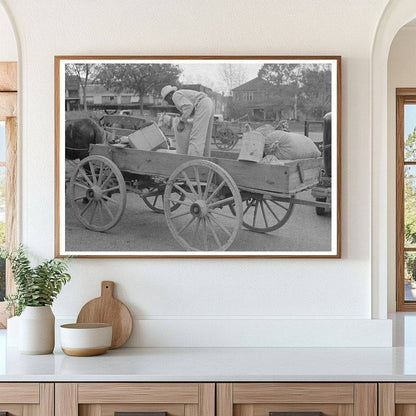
[{"x": 83, "y": 340}]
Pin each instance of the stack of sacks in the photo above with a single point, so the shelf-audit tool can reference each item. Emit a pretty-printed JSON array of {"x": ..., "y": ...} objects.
[{"x": 289, "y": 146}]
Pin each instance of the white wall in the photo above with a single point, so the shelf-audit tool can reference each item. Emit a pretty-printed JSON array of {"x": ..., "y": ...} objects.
[
  {"x": 8, "y": 47},
  {"x": 181, "y": 301},
  {"x": 401, "y": 74}
]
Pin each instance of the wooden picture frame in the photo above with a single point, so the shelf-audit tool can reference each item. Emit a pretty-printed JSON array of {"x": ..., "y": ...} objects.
[{"x": 242, "y": 205}]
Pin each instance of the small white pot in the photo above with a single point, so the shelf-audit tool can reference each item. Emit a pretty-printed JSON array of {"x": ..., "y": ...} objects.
[{"x": 37, "y": 330}]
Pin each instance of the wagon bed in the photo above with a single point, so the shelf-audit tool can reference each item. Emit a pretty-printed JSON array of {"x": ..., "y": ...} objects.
[{"x": 292, "y": 177}]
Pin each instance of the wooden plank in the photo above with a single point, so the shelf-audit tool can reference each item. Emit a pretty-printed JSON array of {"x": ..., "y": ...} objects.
[
  {"x": 190, "y": 410},
  {"x": 8, "y": 76},
  {"x": 274, "y": 178},
  {"x": 345, "y": 410},
  {"x": 11, "y": 206},
  {"x": 400, "y": 204},
  {"x": 138, "y": 393},
  {"x": 66, "y": 399},
  {"x": 47, "y": 399},
  {"x": 386, "y": 399},
  {"x": 365, "y": 399},
  {"x": 8, "y": 105},
  {"x": 405, "y": 393},
  {"x": 31, "y": 410},
  {"x": 90, "y": 410},
  {"x": 27, "y": 393},
  {"x": 207, "y": 399},
  {"x": 11, "y": 195},
  {"x": 293, "y": 393},
  {"x": 224, "y": 399}
]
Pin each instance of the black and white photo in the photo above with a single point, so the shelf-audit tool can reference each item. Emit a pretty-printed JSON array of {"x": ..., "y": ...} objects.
[{"x": 198, "y": 156}]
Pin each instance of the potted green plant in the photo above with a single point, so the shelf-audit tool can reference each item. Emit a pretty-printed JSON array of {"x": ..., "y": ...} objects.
[{"x": 36, "y": 289}]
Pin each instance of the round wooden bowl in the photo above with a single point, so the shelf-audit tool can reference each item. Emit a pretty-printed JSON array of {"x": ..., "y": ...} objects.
[{"x": 85, "y": 340}]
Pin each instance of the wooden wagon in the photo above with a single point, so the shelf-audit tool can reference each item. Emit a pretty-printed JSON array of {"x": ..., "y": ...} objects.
[{"x": 205, "y": 200}]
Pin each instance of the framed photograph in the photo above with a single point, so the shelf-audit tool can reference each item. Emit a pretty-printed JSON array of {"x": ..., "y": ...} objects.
[{"x": 198, "y": 156}]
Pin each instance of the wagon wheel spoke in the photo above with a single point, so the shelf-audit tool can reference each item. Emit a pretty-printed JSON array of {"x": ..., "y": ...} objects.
[
  {"x": 85, "y": 209},
  {"x": 180, "y": 189},
  {"x": 205, "y": 233},
  {"x": 85, "y": 176},
  {"x": 114, "y": 188},
  {"x": 271, "y": 211},
  {"x": 186, "y": 225},
  {"x": 93, "y": 211},
  {"x": 221, "y": 202},
  {"x": 108, "y": 210},
  {"x": 198, "y": 182},
  {"x": 100, "y": 175},
  {"x": 214, "y": 233},
  {"x": 279, "y": 205},
  {"x": 220, "y": 225},
  {"x": 81, "y": 185},
  {"x": 92, "y": 170},
  {"x": 221, "y": 214},
  {"x": 208, "y": 184},
  {"x": 111, "y": 200},
  {"x": 189, "y": 183},
  {"x": 187, "y": 204},
  {"x": 215, "y": 193},
  {"x": 264, "y": 214},
  {"x": 182, "y": 214}
]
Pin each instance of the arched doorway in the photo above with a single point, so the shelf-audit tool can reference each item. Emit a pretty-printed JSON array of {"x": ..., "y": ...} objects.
[
  {"x": 8, "y": 148},
  {"x": 396, "y": 14}
]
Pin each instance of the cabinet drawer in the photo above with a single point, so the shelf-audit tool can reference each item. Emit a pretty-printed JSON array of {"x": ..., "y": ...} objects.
[
  {"x": 22, "y": 399},
  {"x": 397, "y": 399},
  {"x": 146, "y": 399},
  {"x": 297, "y": 399}
]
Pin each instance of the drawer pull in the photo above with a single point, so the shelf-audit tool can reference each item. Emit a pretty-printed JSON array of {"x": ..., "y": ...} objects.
[
  {"x": 296, "y": 414},
  {"x": 139, "y": 414}
]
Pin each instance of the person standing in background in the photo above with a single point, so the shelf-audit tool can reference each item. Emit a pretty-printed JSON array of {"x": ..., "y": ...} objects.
[{"x": 196, "y": 105}]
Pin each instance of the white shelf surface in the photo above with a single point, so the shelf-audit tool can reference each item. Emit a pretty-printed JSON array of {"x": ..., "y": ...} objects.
[{"x": 213, "y": 365}]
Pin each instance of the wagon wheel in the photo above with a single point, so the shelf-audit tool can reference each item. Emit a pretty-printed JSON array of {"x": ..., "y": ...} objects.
[
  {"x": 202, "y": 222},
  {"x": 225, "y": 139},
  {"x": 97, "y": 193},
  {"x": 110, "y": 111},
  {"x": 155, "y": 199},
  {"x": 264, "y": 213},
  {"x": 320, "y": 210}
]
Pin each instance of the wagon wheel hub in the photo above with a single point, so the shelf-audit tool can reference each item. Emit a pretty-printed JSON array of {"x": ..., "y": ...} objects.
[
  {"x": 199, "y": 209},
  {"x": 94, "y": 193}
]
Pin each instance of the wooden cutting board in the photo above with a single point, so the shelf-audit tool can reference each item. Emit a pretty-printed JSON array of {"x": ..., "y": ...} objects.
[{"x": 107, "y": 309}]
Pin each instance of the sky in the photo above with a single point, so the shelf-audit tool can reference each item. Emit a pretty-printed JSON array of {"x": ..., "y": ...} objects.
[
  {"x": 409, "y": 119},
  {"x": 209, "y": 74}
]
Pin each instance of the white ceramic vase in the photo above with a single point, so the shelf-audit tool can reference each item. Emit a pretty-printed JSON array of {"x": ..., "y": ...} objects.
[
  {"x": 37, "y": 330},
  {"x": 13, "y": 331}
]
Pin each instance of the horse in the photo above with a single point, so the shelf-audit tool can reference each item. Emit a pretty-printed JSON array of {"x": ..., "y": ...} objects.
[{"x": 79, "y": 135}]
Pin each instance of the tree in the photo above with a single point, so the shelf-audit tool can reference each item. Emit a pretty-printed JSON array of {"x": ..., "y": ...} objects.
[
  {"x": 85, "y": 74},
  {"x": 139, "y": 79},
  {"x": 300, "y": 86},
  {"x": 315, "y": 92},
  {"x": 410, "y": 191},
  {"x": 232, "y": 75}
]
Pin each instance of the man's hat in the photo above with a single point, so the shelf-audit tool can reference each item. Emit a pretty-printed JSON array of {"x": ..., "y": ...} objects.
[{"x": 166, "y": 90}]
